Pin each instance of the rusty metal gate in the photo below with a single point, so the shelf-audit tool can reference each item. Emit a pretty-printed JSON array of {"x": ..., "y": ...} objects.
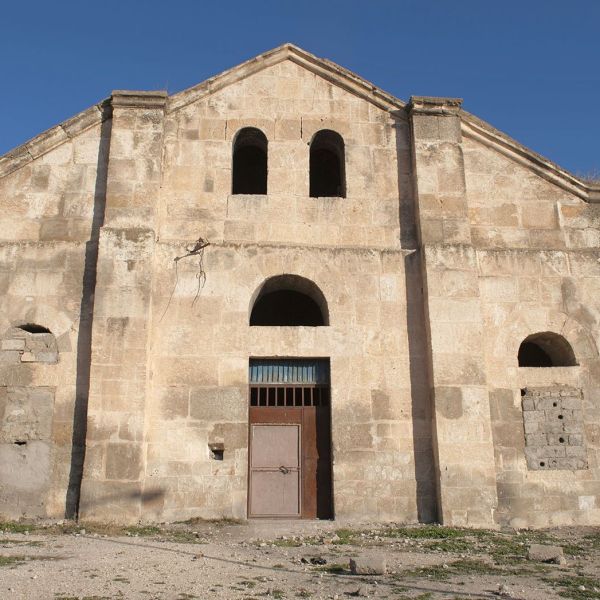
[{"x": 290, "y": 439}]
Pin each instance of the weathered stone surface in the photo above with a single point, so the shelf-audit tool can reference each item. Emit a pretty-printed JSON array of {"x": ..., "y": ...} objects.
[
  {"x": 451, "y": 246},
  {"x": 368, "y": 565},
  {"x": 553, "y": 430},
  {"x": 543, "y": 553}
]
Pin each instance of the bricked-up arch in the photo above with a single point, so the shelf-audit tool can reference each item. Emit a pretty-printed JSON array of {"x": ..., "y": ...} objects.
[
  {"x": 250, "y": 150},
  {"x": 289, "y": 300},
  {"x": 546, "y": 349},
  {"x": 29, "y": 343},
  {"x": 327, "y": 165}
]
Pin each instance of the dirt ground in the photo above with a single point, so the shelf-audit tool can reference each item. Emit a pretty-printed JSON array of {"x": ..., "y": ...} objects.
[{"x": 277, "y": 559}]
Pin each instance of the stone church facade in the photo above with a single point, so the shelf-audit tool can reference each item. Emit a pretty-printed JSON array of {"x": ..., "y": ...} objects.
[{"x": 286, "y": 293}]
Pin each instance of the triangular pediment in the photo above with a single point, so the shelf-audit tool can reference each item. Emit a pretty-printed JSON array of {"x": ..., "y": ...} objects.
[
  {"x": 329, "y": 71},
  {"x": 324, "y": 68}
]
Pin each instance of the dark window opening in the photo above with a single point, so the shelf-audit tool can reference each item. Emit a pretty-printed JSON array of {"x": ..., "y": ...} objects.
[
  {"x": 531, "y": 355},
  {"x": 217, "y": 451},
  {"x": 546, "y": 349},
  {"x": 33, "y": 328},
  {"x": 250, "y": 162},
  {"x": 286, "y": 307},
  {"x": 327, "y": 165},
  {"x": 289, "y": 300},
  {"x": 284, "y": 396}
]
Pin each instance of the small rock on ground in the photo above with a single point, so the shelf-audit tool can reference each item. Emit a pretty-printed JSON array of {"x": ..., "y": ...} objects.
[
  {"x": 372, "y": 565},
  {"x": 542, "y": 553}
]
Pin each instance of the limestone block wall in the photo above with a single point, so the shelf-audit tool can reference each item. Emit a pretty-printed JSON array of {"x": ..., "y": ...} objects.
[
  {"x": 48, "y": 192},
  {"x": 113, "y": 482},
  {"x": 200, "y": 341},
  {"x": 201, "y": 349},
  {"x": 19, "y": 345},
  {"x": 289, "y": 104},
  {"x": 510, "y": 206},
  {"x": 538, "y": 270},
  {"x": 455, "y": 329}
]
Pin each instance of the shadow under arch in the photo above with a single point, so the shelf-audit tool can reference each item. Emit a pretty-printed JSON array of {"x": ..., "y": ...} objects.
[
  {"x": 30, "y": 327},
  {"x": 288, "y": 300},
  {"x": 546, "y": 349}
]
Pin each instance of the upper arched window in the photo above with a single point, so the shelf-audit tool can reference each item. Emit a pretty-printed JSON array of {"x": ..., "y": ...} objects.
[
  {"x": 249, "y": 162},
  {"x": 327, "y": 165},
  {"x": 546, "y": 349},
  {"x": 289, "y": 300}
]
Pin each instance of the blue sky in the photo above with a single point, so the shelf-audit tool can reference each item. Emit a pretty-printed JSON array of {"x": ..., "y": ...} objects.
[{"x": 530, "y": 67}]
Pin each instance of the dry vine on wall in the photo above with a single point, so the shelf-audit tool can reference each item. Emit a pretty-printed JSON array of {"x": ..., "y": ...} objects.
[{"x": 196, "y": 250}]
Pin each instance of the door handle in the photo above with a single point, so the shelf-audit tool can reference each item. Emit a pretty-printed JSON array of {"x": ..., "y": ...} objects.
[{"x": 284, "y": 470}]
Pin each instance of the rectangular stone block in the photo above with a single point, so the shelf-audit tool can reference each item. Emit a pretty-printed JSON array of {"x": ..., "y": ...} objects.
[
  {"x": 218, "y": 404},
  {"x": 123, "y": 461},
  {"x": 14, "y": 344}
]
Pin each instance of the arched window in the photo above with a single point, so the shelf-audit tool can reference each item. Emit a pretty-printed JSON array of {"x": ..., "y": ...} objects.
[
  {"x": 546, "y": 349},
  {"x": 289, "y": 300},
  {"x": 327, "y": 165},
  {"x": 249, "y": 162}
]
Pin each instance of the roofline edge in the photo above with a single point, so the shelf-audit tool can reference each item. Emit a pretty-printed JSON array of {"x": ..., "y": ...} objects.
[
  {"x": 485, "y": 133},
  {"x": 323, "y": 67},
  {"x": 46, "y": 141}
]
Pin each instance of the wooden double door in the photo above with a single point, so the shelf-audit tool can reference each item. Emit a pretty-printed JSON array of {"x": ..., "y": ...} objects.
[{"x": 290, "y": 453}]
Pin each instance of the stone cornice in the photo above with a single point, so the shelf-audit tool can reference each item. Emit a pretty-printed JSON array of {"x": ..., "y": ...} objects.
[
  {"x": 489, "y": 136},
  {"x": 53, "y": 137},
  {"x": 431, "y": 105},
  {"x": 139, "y": 99},
  {"x": 326, "y": 69}
]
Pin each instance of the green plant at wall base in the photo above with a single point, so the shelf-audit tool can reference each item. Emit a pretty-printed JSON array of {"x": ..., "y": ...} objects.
[
  {"x": 14, "y": 527},
  {"x": 11, "y": 561},
  {"x": 576, "y": 587}
]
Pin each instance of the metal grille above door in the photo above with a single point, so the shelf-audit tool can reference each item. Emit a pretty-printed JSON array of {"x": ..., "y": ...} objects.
[
  {"x": 308, "y": 371},
  {"x": 286, "y": 383}
]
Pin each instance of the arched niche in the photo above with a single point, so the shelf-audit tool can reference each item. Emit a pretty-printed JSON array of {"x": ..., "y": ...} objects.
[
  {"x": 546, "y": 349},
  {"x": 327, "y": 165},
  {"x": 249, "y": 168},
  {"x": 289, "y": 300}
]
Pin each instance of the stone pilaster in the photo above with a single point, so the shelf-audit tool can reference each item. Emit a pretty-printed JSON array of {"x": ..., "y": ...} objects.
[
  {"x": 112, "y": 487},
  {"x": 463, "y": 443}
]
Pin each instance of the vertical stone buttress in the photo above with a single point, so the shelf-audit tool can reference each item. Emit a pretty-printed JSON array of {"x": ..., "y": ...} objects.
[
  {"x": 463, "y": 445},
  {"x": 112, "y": 487}
]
